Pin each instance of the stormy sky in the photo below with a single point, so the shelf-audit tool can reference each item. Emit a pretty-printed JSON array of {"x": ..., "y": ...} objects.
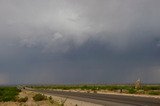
[{"x": 79, "y": 41}]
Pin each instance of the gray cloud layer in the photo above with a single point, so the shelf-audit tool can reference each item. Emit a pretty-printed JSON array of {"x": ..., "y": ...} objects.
[{"x": 72, "y": 41}]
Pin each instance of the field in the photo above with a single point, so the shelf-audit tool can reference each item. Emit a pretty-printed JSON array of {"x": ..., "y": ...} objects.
[{"x": 128, "y": 89}]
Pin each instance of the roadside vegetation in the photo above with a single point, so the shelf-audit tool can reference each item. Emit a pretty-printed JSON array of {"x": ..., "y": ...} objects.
[
  {"x": 39, "y": 97},
  {"x": 8, "y": 94},
  {"x": 22, "y": 99},
  {"x": 129, "y": 89},
  {"x": 13, "y": 96}
]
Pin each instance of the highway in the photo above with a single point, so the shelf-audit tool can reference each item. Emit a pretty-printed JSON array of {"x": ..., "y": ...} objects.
[{"x": 105, "y": 99}]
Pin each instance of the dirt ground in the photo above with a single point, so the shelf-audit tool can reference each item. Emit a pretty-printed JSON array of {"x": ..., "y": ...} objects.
[{"x": 30, "y": 101}]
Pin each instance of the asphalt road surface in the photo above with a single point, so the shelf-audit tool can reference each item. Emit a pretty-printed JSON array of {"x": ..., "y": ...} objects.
[{"x": 105, "y": 99}]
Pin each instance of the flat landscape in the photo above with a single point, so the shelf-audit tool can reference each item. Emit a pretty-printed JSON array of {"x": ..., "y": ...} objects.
[
  {"x": 111, "y": 95},
  {"x": 152, "y": 90},
  {"x": 88, "y": 95},
  {"x": 79, "y": 52}
]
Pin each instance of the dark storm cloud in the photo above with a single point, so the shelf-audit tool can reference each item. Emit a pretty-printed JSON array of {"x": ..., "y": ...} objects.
[{"x": 72, "y": 41}]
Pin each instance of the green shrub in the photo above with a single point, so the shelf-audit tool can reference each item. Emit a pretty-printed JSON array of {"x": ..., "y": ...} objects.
[
  {"x": 8, "y": 93},
  {"x": 154, "y": 92},
  {"x": 151, "y": 87},
  {"x": 132, "y": 91},
  {"x": 8, "y": 98},
  {"x": 39, "y": 97},
  {"x": 23, "y": 99},
  {"x": 130, "y": 88}
]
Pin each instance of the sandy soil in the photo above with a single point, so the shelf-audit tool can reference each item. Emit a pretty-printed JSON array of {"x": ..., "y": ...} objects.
[{"x": 30, "y": 101}]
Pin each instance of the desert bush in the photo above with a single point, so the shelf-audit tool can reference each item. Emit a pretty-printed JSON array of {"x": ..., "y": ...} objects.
[
  {"x": 8, "y": 93},
  {"x": 39, "y": 97},
  {"x": 132, "y": 91},
  {"x": 22, "y": 99},
  {"x": 154, "y": 92},
  {"x": 151, "y": 87},
  {"x": 51, "y": 100}
]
